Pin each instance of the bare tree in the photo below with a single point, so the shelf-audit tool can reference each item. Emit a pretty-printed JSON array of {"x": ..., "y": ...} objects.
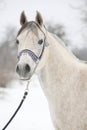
[
  {"x": 60, "y": 31},
  {"x": 8, "y": 52},
  {"x": 80, "y": 53}
]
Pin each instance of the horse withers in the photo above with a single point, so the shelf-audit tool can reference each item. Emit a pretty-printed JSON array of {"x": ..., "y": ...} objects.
[{"x": 62, "y": 76}]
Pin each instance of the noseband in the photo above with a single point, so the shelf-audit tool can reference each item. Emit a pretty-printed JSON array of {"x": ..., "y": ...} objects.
[
  {"x": 30, "y": 53},
  {"x": 33, "y": 56}
]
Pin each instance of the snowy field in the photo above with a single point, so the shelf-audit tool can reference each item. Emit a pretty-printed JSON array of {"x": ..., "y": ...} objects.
[{"x": 34, "y": 114}]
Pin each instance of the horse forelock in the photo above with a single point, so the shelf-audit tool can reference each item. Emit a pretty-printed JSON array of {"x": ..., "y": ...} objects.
[{"x": 28, "y": 25}]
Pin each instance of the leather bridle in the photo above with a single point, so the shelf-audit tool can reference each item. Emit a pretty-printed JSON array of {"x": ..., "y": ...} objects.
[{"x": 30, "y": 53}]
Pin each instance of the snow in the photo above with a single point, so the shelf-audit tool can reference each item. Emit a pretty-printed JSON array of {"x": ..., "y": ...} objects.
[{"x": 33, "y": 115}]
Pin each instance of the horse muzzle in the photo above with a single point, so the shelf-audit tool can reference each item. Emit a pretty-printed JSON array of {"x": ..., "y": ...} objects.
[{"x": 24, "y": 71}]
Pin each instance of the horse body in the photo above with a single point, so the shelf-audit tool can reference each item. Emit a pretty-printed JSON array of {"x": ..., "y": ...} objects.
[
  {"x": 64, "y": 86},
  {"x": 64, "y": 81}
]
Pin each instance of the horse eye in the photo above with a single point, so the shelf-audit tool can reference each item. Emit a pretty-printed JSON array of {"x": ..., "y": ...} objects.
[
  {"x": 17, "y": 41},
  {"x": 40, "y": 41}
]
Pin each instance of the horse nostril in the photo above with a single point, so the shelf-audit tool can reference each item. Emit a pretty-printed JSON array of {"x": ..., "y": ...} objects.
[
  {"x": 23, "y": 69},
  {"x": 27, "y": 68},
  {"x": 17, "y": 68}
]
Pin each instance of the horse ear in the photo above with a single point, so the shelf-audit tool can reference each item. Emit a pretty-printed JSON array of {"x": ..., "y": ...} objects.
[
  {"x": 39, "y": 18},
  {"x": 23, "y": 18}
]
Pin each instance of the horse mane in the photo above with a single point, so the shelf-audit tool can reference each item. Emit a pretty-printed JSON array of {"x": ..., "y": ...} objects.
[
  {"x": 28, "y": 25},
  {"x": 64, "y": 45}
]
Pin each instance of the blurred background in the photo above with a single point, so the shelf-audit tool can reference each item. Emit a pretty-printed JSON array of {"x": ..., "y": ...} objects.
[{"x": 68, "y": 20}]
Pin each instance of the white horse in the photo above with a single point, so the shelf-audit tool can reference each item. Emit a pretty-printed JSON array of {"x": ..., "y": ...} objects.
[{"x": 62, "y": 76}]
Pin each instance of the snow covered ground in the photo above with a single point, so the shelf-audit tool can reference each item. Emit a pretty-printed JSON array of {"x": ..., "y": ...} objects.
[{"x": 34, "y": 114}]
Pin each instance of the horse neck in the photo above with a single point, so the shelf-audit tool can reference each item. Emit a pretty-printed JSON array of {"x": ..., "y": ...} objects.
[
  {"x": 59, "y": 61},
  {"x": 58, "y": 52}
]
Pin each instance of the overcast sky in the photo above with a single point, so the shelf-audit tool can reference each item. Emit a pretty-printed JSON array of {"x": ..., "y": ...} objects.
[{"x": 54, "y": 11}]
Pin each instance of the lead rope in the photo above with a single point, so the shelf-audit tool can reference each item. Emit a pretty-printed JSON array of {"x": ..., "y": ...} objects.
[{"x": 23, "y": 99}]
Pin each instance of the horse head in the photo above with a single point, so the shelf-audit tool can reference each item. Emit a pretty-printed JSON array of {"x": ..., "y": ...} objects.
[{"x": 31, "y": 40}]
